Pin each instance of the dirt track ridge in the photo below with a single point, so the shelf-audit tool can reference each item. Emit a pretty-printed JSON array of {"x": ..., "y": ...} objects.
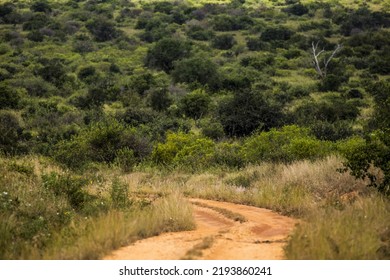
[{"x": 261, "y": 236}]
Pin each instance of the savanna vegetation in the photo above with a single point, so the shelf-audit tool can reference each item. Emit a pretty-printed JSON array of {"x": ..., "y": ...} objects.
[{"x": 113, "y": 111}]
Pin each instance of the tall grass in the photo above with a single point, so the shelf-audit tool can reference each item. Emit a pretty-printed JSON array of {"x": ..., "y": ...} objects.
[
  {"x": 116, "y": 228},
  {"x": 50, "y": 213},
  {"x": 354, "y": 233}
]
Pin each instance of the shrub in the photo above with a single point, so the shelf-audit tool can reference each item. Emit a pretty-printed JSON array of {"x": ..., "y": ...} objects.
[
  {"x": 102, "y": 142},
  {"x": 297, "y": 9},
  {"x": 159, "y": 99},
  {"x": 229, "y": 154},
  {"x": 184, "y": 150},
  {"x": 198, "y": 70},
  {"x": 9, "y": 98},
  {"x": 247, "y": 111},
  {"x": 11, "y": 132},
  {"x": 288, "y": 144},
  {"x": 102, "y": 29},
  {"x": 330, "y": 107},
  {"x": 276, "y": 34},
  {"x": 165, "y": 52},
  {"x": 69, "y": 186},
  {"x": 196, "y": 104},
  {"x": 197, "y": 32},
  {"x": 225, "y": 23},
  {"x": 119, "y": 194},
  {"x": 223, "y": 42},
  {"x": 256, "y": 44},
  {"x": 212, "y": 129}
]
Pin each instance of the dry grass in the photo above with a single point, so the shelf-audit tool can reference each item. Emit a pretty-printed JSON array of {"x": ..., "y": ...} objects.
[
  {"x": 196, "y": 251},
  {"x": 117, "y": 228},
  {"x": 224, "y": 212},
  {"x": 352, "y": 233},
  {"x": 343, "y": 219}
]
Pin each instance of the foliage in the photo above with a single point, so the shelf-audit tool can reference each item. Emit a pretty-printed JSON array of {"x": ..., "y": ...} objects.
[
  {"x": 224, "y": 41},
  {"x": 291, "y": 143},
  {"x": 102, "y": 29},
  {"x": 246, "y": 111},
  {"x": 187, "y": 151},
  {"x": 195, "y": 104},
  {"x": 11, "y": 133},
  {"x": 196, "y": 70},
  {"x": 165, "y": 52},
  {"x": 9, "y": 98},
  {"x": 102, "y": 142}
]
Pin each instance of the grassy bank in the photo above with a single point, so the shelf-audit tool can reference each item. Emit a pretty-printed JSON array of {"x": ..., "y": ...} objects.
[{"x": 51, "y": 213}]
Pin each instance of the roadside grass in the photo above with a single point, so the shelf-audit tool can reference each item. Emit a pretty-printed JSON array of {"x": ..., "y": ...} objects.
[
  {"x": 50, "y": 213},
  {"x": 99, "y": 237},
  {"x": 359, "y": 231}
]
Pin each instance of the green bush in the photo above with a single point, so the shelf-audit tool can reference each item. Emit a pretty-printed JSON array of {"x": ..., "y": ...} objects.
[
  {"x": 102, "y": 142},
  {"x": 165, "y": 52},
  {"x": 11, "y": 133},
  {"x": 119, "y": 195},
  {"x": 288, "y": 144},
  {"x": 246, "y": 111},
  {"x": 196, "y": 70},
  {"x": 229, "y": 154},
  {"x": 9, "y": 98},
  {"x": 223, "y": 42},
  {"x": 187, "y": 151},
  {"x": 196, "y": 104},
  {"x": 69, "y": 186},
  {"x": 212, "y": 129},
  {"x": 102, "y": 29}
]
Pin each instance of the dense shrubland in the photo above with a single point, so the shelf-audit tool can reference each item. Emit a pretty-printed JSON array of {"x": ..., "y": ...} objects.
[{"x": 121, "y": 85}]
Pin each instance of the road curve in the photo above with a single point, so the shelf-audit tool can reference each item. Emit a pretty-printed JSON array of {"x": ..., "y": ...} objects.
[{"x": 261, "y": 236}]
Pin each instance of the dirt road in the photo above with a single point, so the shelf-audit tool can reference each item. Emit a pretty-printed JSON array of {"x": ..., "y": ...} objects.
[{"x": 259, "y": 234}]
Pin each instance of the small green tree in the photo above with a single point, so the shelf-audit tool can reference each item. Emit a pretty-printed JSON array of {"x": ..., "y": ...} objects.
[
  {"x": 196, "y": 104},
  {"x": 165, "y": 52},
  {"x": 196, "y": 69},
  {"x": 365, "y": 159}
]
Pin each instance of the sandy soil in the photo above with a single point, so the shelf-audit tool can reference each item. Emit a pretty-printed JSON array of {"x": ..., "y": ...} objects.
[{"x": 216, "y": 237}]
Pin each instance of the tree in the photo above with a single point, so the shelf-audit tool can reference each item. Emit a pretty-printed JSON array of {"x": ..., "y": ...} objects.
[
  {"x": 165, "y": 52},
  {"x": 198, "y": 69},
  {"x": 41, "y": 6},
  {"x": 320, "y": 67},
  {"x": 375, "y": 150},
  {"x": 196, "y": 104},
  {"x": 9, "y": 98},
  {"x": 102, "y": 29},
  {"x": 247, "y": 111},
  {"x": 10, "y": 132},
  {"x": 224, "y": 42}
]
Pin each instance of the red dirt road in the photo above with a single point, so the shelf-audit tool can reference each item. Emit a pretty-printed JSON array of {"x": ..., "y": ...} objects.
[{"x": 216, "y": 237}]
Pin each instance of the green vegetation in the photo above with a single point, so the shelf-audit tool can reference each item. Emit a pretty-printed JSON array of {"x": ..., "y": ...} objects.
[{"x": 216, "y": 99}]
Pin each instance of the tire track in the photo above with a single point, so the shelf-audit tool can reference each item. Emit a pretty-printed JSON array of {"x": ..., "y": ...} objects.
[{"x": 216, "y": 237}]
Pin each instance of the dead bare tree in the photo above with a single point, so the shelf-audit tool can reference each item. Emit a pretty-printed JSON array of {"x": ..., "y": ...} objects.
[{"x": 322, "y": 70}]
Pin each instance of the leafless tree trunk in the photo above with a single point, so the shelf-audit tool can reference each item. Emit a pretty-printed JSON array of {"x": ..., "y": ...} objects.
[{"x": 322, "y": 69}]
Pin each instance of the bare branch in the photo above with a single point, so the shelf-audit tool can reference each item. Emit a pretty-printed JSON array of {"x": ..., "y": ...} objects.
[{"x": 322, "y": 70}]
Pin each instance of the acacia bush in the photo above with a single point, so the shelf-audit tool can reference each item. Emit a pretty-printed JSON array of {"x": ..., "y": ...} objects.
[
  {"x": 184, "y": 150},
  {"x": 11, "y": 133},
  {"x": 165, "y": 52},
  {"x": 102, "y": 142},
  {"x": 290, "y": 143},
  {"x": 195, "y": 104},
  {"x": 223, "y": 42},
  {"x": 246, "y": 111}
]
